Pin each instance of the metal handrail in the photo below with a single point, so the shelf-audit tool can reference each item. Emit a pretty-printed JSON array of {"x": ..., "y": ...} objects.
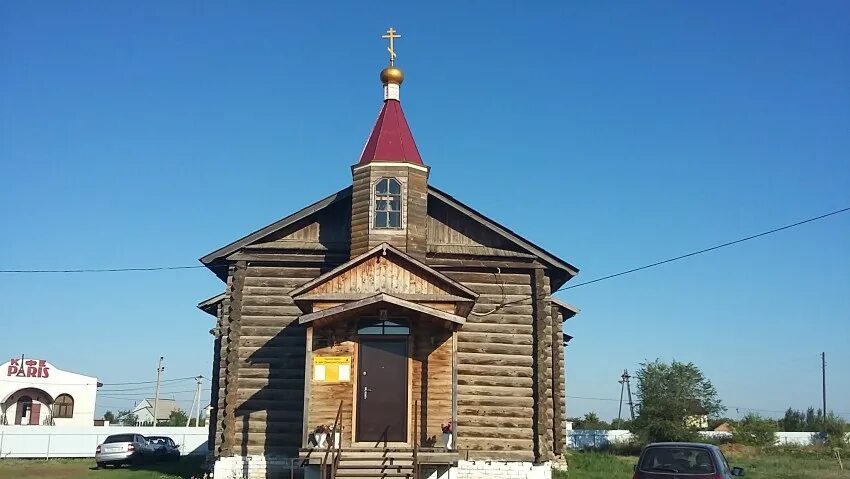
[
  {"x": 336, "y": 452},
  {"x": 415, "y": 440}
]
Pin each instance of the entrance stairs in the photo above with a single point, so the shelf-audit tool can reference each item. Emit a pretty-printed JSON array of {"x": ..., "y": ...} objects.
[{"x": 375, "y": 464}]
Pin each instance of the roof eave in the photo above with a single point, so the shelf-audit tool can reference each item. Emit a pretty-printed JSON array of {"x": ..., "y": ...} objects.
[
  {"x": 504, "y": 231},
  {"x": 221, "y": 253}
]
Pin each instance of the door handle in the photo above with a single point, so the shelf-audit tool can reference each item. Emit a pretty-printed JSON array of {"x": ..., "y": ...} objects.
[{"x": 366, "y": 392}]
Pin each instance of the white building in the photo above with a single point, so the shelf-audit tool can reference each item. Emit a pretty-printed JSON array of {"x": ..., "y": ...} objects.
[
  {"x": 144, "y": 410},
  {"x": 34, "y": 392}
]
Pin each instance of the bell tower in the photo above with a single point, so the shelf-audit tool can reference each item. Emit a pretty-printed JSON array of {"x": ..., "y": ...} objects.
[{"x": 390, "y": 182}]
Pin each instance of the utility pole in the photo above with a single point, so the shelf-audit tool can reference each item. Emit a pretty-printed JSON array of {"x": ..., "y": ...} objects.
[
  {"x": 195, "y": 398},
  {"x": 823, "y": 382},
  {"x": 159, "y": 370},
  {"x": 198, "y": 413},
  {"x": 622, "y": 382},
  {"x": 626, "y": 378}
]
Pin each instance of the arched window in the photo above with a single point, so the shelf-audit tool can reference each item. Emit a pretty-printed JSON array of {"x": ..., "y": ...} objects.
[
  {"x": 387, "y": 204},
  {"x": 63, "y": 407}
]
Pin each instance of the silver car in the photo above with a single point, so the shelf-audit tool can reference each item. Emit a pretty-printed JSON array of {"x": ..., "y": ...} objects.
[{"x": 119, "y": 449}]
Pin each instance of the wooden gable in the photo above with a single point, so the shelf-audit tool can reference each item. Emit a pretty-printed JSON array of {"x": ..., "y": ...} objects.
[
  {"x": 323, "y": 230},
  {"x": 451, "y": 232},
  {"x": 383, "y": 269}
]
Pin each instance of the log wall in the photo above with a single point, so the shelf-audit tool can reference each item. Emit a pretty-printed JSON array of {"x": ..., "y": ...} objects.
[
  {"x": 495, "y": 368},
  {"x": 431, "y": 381},
  {"x": 265, "y": 389}
]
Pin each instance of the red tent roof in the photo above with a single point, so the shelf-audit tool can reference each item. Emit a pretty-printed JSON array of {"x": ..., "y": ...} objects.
[{"x": 391, "y": 139}]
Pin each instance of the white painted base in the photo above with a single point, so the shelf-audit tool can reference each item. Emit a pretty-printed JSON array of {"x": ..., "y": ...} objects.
[
  {"x": 263, "y": 467},
  {"x": 254, "y": 467},
  {"x": 491, "y": 470}
]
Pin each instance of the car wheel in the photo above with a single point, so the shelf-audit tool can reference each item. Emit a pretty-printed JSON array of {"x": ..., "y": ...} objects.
[{"x": 99, "y": 465}]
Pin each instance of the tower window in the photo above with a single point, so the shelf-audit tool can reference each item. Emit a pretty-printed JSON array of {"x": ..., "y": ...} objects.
[{"x": 387, "y": 203}]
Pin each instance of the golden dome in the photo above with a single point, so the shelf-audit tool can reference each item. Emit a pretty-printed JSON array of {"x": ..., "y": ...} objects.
[{"x": 392, "y": 74}]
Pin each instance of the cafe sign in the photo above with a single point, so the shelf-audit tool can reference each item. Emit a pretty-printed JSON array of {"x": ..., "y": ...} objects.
[{"x": 28, "y": 368}]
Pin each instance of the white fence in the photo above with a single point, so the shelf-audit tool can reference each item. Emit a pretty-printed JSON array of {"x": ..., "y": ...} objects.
[
  {"x": 595, "y": 439},
  {"x": 81, "y": 441}
]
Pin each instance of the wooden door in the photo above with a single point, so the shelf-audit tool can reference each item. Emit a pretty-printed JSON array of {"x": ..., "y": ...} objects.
[
  {"x": 382, "y": 390},
  {"x": 35, "y": 414}
]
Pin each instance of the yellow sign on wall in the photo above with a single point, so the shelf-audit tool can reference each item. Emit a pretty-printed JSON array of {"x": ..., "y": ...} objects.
[{"x": 332, "y": 369}]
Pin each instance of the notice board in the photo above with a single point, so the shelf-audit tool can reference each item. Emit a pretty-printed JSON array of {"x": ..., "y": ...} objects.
[{"x": 332, "y": 369}]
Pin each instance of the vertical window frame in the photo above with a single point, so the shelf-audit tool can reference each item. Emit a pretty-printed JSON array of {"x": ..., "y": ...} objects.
[{"x": 382, "y": 210}]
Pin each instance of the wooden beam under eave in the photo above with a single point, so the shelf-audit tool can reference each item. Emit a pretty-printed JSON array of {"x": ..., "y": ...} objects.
[
  {"x": 454, "y": 388},
  {"x": 308, "y": 379}
]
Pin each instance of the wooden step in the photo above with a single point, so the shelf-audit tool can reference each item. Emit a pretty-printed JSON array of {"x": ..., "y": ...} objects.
[
  {"x": 388, "y": 467},
  {"x": 373, "y": 474}
]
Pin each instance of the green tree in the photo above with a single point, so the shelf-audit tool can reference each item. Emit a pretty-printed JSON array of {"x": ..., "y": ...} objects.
[
  {"x": 108, "y": 416},
  {"x": 203, "y": 421},
  {"x": 127, "y": 418},
  {"x": 755, "y": 430},
  {"x": 793, "y": 421},
  {"x": 177, "y": 417},
  {"x": 590, "y": 421},
  {"x": 669, "y": 394}
]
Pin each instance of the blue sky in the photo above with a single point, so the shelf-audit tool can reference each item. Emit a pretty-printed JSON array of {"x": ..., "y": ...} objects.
[{"x": 612, "y": 134}]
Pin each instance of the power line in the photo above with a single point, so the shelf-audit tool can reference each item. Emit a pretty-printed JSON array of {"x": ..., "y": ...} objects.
[
  {"x": 105, "y": 270},
  {"x": 706, "y": 250},
  {"x": 633, "y": 270}
]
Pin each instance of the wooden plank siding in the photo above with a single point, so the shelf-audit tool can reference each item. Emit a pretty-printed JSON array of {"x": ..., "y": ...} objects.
[
  {"x": 335, "y": 339},
  {"x": 380, "y": 273},
  {"x": 326, "y": 230}
]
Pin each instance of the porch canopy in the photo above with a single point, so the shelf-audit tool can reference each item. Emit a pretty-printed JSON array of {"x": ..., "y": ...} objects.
[{"x": 392, "y": 321}]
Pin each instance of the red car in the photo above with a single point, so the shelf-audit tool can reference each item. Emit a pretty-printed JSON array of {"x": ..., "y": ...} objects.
[{"x": 684, "y": 460}]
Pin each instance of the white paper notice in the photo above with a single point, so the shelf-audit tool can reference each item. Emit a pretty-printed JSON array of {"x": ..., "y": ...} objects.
[
  {"x": 319, "y": 372},
  {"x": 344, "y": 372}
]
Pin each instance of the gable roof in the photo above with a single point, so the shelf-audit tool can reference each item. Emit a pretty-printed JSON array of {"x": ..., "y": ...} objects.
[
  {"x": 345, "y": 193},
  {"x": 503, "y": 231},
  {"x": 210, "y": 305},
  {"x": 163, "y": 408},
  {"x": 567, "y": 309},
  {"x": 277, "y": 225},
  {"x": 383, "y": 249}
]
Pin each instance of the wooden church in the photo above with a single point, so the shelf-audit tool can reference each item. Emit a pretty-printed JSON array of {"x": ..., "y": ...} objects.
[{"x": 387, "y": 330}]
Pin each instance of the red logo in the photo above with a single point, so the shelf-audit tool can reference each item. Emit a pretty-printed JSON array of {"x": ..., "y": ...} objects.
[{"x": 29, "y": 368}]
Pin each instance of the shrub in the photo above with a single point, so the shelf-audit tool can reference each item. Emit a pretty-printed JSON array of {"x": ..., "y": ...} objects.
[{"x": 755, "y": 430}]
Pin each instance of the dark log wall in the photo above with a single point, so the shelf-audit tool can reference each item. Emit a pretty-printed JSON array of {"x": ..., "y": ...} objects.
[
  {"x": 431, "y": 379},
  {"x": 510, "y": 368},
  {"x": 215, "y": 381},
  {"x": 560, "y": 385},
  {"x": 495, "y": 367},
  {"x": 268, "y": 368}
]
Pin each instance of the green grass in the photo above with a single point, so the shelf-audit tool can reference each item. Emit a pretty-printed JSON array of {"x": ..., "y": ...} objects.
[
  {"x": 600, "y": 465},
  {"x": 85, "y": 469}
]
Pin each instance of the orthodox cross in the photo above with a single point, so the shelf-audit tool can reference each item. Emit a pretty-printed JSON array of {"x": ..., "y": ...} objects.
[{"x": 391, "y": 35}]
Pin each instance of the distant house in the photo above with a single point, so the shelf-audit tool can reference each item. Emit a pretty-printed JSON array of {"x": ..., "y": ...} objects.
[
  {"x": 698, "y": 417},
  {"x": 144, "y": 411},
  {"x": 725, "y": 427}
]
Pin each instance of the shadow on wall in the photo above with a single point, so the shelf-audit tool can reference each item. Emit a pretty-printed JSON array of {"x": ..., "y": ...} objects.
[{"x": 269, "y": 422}]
